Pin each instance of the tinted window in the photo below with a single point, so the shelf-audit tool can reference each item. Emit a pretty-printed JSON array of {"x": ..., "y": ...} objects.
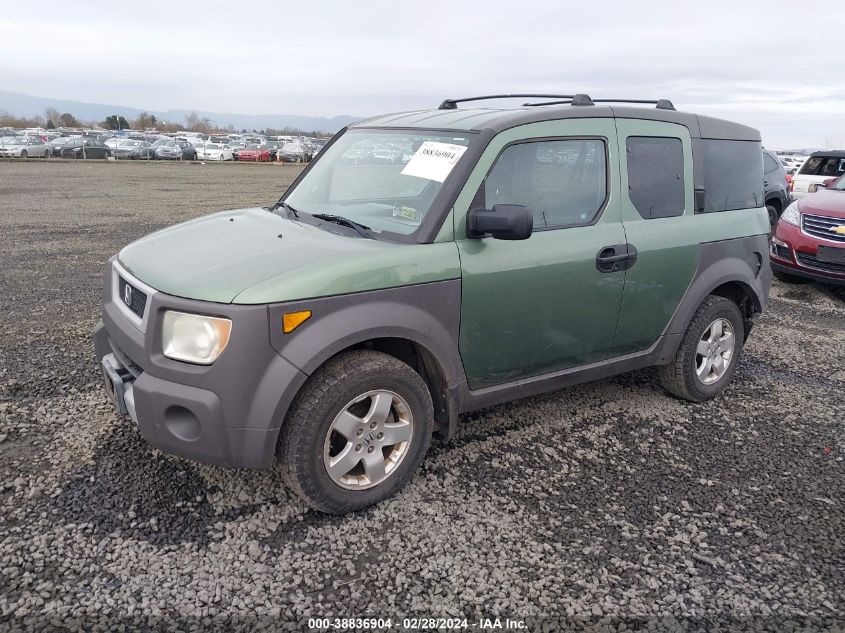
[
  {"x": 769, "y": 164},
  {"x": 656, "y": 175},
  {"x": 732, "y": 174},
  {"x": 832, "y": 167},
  {"x": 563, "y": 182}
]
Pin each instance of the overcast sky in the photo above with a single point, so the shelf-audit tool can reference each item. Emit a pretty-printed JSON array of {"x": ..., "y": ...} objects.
[{"x": 774, "y": 65}]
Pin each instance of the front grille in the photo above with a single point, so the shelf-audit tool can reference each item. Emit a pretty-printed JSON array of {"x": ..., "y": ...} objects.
[
  {"x": 137, "y": 299},
  {"x": 810, "y": 261},
  {"x": 820, "y": 226}
]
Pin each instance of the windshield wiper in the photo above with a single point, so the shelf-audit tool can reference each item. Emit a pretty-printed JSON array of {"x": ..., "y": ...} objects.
[
  {"x": 362, "y": 229},
  {"x": 291, "y": 210}
]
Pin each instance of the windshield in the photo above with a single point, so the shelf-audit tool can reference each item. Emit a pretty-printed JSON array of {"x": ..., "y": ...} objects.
[{"x": 383, "y": 179}]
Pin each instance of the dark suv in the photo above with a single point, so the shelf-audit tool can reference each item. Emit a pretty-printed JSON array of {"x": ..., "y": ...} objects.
[{"x": 775, "y": 186}]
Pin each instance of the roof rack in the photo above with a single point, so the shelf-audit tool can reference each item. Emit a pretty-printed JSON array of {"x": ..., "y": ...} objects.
[
  {"x": 586, "y": 100},
  {"x": 576, "y": 100},
  {"x": 452, "y": 104}
]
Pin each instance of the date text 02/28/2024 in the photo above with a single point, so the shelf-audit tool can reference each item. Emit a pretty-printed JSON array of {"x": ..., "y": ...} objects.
[{"x": 415, "y": 624}]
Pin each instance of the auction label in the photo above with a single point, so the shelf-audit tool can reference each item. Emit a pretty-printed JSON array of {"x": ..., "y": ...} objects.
[
  {"x": 415, "y": 624},
  {"x": 434, "y": 161}
]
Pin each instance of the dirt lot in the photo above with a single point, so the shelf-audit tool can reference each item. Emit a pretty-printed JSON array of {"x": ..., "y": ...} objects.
[{"x": 610, "y": 505}]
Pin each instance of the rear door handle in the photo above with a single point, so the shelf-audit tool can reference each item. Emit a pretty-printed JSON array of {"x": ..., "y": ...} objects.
[{"x": 611, "y": 259}]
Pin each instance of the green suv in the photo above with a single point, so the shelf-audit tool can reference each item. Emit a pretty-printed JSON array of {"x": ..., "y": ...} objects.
[{"x": 436, "y": 262}]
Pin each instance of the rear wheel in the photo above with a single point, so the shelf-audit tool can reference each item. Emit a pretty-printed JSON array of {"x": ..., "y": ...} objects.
[
  {"x": 356, "y": 432},
  {"x": 708, "y": 354},
  {"x": 24, "y": 154}
]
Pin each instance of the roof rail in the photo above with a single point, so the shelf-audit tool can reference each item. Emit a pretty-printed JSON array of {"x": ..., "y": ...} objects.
[
  {"x": 585, "y": 100},
  {"x": 452, "y": 104}
]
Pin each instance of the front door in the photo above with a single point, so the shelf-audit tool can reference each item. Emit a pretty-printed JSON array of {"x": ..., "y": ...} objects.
[{"x": 543, "y": 304}]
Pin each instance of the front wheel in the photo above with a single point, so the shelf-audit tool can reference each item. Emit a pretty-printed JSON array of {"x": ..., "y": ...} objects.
[
  {"x": 24, "y": 154},
  {"x": 708, "y": 354},
  {"x": 773, "y": 216},
  {"x": 356, "y": 432}
]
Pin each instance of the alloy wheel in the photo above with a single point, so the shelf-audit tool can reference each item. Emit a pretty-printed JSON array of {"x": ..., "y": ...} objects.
[
  {"x": 368, "y": 439},
  {"x": 715, "y": 351}
]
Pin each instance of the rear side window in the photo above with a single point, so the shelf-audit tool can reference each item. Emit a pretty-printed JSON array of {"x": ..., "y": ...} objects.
[
  {"x": 732, "y": 174},
  {"x": 829, "y": 166},
  {"x": 564, "y": 182},
  {"x": 769, "y": 164},
  {"x": 656, "y": 175}
]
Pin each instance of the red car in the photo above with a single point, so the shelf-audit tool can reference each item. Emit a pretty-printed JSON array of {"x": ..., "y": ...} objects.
[
  {"x": 253, "y": 152},
  {"x": 809, "y": 240}
]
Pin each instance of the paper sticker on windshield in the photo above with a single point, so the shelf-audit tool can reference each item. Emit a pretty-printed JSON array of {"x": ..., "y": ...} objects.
[{"x": 434, "y": 161}]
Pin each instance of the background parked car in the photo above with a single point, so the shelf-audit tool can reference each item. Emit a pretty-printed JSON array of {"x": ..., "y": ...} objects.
[
  {"x": 819, "y": 167},
  {"x": 133, "y": 150},
  {"x": 171, "y": 149},
  {"x": 810, "y": 238},
  {"x": 775, "y": 186},
  {"x": 57, "y": 143},
  {"x": 85, "y": 148},
  {"x": 215, "y": 151},
  {"x": 25, "y": 147},
  {"x": 292, "y": 153},
  {"x": 253, "y": 152},
  {"x": 791, "y": 164}
]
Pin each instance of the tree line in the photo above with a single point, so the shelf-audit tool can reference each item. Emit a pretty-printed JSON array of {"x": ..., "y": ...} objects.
[{"x": 52, "y": 119}]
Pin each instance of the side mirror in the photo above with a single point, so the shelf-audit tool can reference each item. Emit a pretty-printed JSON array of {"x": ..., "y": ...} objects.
[
  {"x": 502, "y": 222},
  {"x": 827, "y": 183}
]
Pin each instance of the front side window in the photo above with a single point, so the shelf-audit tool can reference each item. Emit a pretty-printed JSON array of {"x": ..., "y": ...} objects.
[
  {"x": 563, "y": 182},
  {"x": 386, "y": 180},
  {"x": 656, "y": 176}
]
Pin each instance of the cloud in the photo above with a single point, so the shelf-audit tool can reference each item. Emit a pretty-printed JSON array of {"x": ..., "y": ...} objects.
[{"x": 764, "y": 64}]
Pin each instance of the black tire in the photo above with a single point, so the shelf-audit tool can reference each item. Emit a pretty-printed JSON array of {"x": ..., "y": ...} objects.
[
  {"x": 679, "y": 377},
  {"x": 773, "y": 217},
  {"x": 314, "y": 409},
  {"x": 24, "y": 154},
  {"x": 789, "y": 279}
]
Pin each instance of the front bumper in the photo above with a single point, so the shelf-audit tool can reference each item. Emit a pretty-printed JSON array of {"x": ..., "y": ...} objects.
[
  {"x": 228, "y": 413},
  {"x": 798, "y": 255}
]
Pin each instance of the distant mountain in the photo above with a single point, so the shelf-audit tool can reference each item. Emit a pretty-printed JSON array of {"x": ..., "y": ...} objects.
[{"x": 23, "y": 105}]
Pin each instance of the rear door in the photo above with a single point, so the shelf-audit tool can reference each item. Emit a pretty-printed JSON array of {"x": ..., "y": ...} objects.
[
  {"x": 535, "y": 306},
  {"x": 659, "y": 218}
]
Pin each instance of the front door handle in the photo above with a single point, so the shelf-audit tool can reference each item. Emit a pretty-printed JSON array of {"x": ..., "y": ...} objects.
[{"x": 611, "y": 259}]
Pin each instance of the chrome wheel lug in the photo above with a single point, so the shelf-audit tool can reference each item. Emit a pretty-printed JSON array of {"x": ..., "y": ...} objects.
[
  {"x": 371, "y": 449},
  {"x": 373, "y": 425},
  {"x": 380, "y": 436},
  {"x": 358, "y": 448},
  {"x": 360, "y": 432}
]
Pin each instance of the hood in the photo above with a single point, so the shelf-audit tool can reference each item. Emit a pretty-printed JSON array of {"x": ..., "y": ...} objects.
[
  {"x": 216, "y": 257},
  {"x": 824, "y": 202}
]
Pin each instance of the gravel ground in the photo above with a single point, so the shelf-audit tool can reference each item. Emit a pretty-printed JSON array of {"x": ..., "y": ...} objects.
[{"x": 605, "y": 507}]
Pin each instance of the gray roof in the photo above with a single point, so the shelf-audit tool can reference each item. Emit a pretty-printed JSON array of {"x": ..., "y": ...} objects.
[{"x": 498, "y": 119}]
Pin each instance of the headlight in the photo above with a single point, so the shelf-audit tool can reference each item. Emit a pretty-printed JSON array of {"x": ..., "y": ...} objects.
[
  {"x": 194, "y": 338},
  {"x": 792, "y": 215}
]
